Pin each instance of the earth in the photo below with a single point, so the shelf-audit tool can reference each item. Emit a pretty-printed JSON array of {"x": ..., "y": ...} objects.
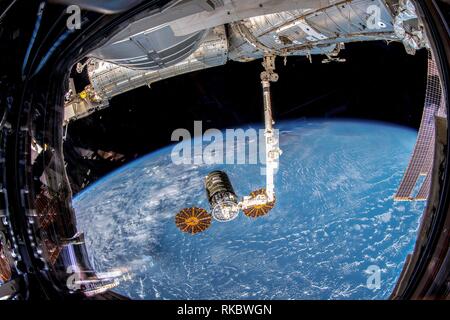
[{"x": 334, "y": 219}]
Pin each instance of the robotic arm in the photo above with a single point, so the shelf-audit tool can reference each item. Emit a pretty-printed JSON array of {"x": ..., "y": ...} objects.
[{"x": 221, "y": 196}]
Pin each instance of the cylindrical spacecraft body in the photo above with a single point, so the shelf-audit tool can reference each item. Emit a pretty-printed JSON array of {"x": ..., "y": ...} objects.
[{"x": 221, "y": 196}]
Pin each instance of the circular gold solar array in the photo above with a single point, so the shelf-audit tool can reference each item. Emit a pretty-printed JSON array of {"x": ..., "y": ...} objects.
[
  {"x": 259, "y": 210},
  {"x": 193, "y": 220}
]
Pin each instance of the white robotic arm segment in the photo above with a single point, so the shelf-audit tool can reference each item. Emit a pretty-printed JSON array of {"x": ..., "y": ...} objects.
[{"x": 273, "y": 152}]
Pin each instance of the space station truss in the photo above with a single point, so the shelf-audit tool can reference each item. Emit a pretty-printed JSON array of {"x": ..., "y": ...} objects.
[
  {"x": 309, "y": 32},
  {"x": 193, "y": 35},
  {"x": 412, "y": 186},
  {"x": 110, "y": 79}
]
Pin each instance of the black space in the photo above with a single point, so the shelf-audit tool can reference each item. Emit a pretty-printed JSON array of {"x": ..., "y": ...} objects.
[{"x": 379, "y": 81}]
